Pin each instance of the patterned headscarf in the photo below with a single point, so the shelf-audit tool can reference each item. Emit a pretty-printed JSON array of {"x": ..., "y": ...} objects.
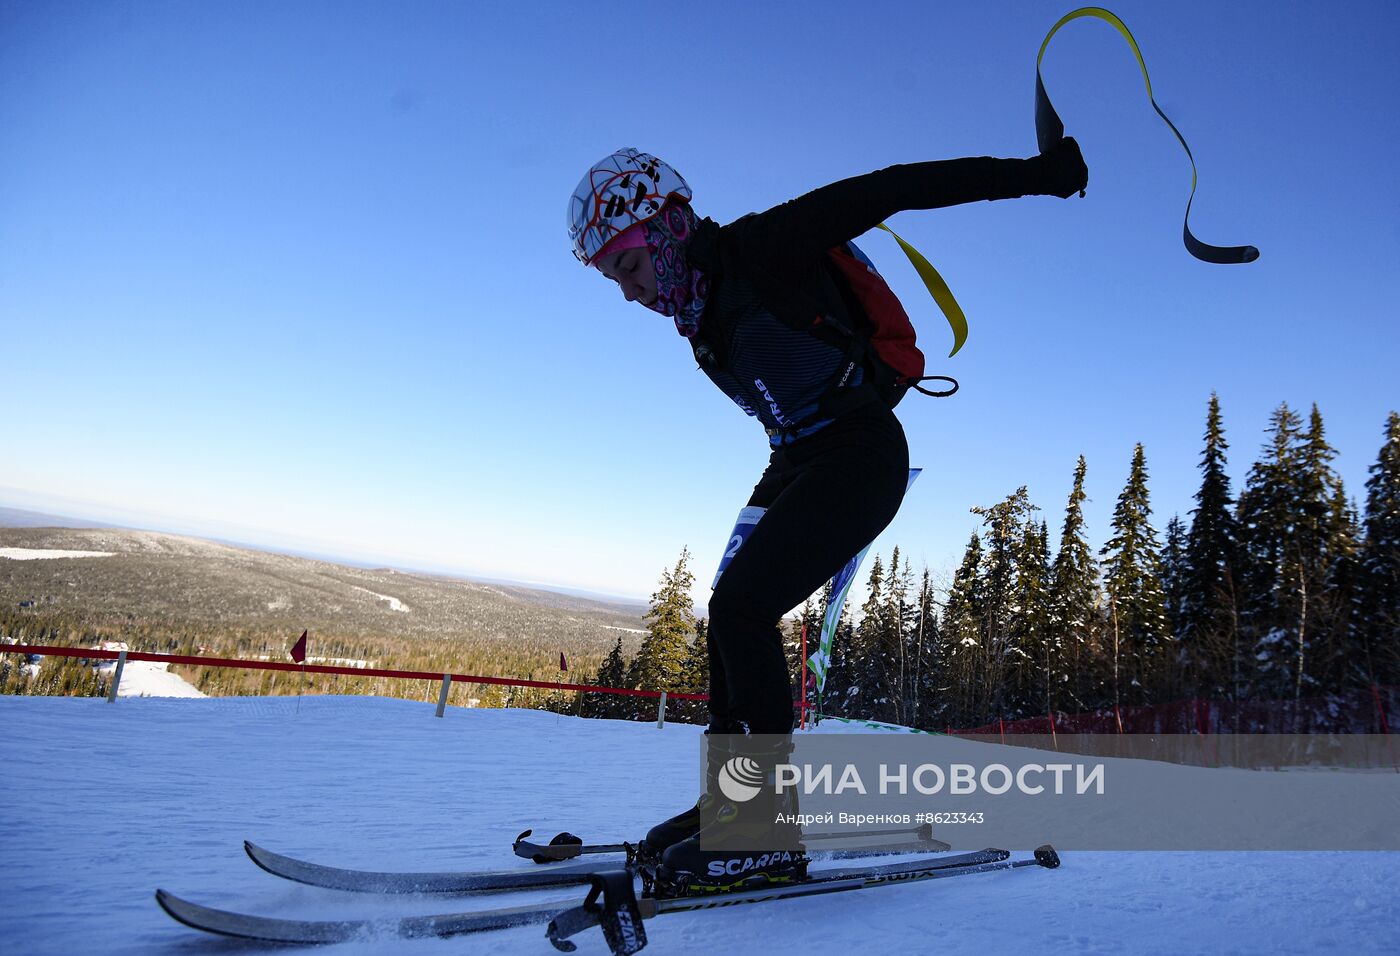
[{"x": 680, "y": 289}]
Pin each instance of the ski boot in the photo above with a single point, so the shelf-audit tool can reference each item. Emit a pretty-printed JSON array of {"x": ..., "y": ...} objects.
[
  {"x": 686, "y": 824},
  {"x": 749, "y": 835}
]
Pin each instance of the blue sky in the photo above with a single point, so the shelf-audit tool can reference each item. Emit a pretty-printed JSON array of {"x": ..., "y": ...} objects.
[{"x": 296, "y": 274}]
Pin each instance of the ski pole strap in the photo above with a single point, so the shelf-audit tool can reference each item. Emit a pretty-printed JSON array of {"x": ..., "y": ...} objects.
[
  {"x": 1049, "y": 130},
  {"x": 611, "y": 904},
  {"x": 938, "y": 289}
]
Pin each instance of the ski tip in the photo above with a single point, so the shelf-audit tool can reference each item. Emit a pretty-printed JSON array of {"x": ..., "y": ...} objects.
[
  {"x": 1047, "y": 857},
  {"x": 163, "y": 898},
  {"x": 264, "y": 858},
  {"x": 524, "y": 834},
  {"x": 176, "y": 908}
]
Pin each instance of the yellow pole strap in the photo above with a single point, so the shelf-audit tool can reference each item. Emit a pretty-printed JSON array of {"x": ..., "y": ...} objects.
[
  {"x": 938, "y": 289},
  {"x": 1049, "y": 130}
]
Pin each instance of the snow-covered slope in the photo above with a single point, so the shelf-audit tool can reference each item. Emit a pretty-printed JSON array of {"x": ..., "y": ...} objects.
[
  {"x": 101, "y": 803},
  {"x": 152, "y": 679}
]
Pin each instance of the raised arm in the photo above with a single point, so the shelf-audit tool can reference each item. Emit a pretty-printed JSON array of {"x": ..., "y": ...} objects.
[{"x": 791, "y": 235}]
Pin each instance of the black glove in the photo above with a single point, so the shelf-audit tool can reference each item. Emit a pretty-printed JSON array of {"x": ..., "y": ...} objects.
[{"x": 1062, "y": 170}]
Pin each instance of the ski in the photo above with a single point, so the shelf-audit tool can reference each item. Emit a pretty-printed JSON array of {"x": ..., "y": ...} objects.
[
  {"x": 613, "y": 885},
  {"x": 566, "y": 846},
  {"x": 490, "y": 881},
  {"x": 464, "y": 881},
  {"x": 612, "y": 905}
]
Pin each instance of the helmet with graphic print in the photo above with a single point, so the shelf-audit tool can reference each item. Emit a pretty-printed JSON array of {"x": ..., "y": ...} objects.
[{"x": 618, "y": 192}]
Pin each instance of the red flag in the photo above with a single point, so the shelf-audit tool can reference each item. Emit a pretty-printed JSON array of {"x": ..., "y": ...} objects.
[
  {"x": 299, "y": 649},
  {"x": 563, "y": 662}
]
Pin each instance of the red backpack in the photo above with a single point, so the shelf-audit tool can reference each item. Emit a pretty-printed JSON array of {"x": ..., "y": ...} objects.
[{"x": 889, "y": 334}]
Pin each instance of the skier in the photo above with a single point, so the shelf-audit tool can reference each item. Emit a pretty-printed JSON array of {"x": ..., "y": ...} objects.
[{"x": 838, "y": 461}]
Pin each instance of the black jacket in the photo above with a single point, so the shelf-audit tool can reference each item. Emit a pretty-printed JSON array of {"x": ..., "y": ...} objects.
[{"x": 775, "y": 335}]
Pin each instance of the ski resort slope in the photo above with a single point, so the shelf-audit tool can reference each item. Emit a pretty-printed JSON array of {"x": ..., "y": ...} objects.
[
  {"x": 101, "y": 803},
  {"x": 152, "y": 679}
]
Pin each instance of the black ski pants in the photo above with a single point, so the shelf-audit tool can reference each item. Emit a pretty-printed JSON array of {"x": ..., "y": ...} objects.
[{"x": 827, "y": 496}]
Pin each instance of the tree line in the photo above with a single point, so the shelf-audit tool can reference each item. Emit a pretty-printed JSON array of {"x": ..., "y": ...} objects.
[{"x": 1281, "y": 592}]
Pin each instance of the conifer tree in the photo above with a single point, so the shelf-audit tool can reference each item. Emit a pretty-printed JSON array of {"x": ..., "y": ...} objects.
[
  {"x": 661, "y": 660},
  {"x": 696, "y": 679},
  {"x": 1298, "y": 541},
  {"x": 927, "y": 638},
  {"x": 1006, "y": 660},
  {"x": 898, "y": 616},
  {"x": 1266, "y": 514},
  {"x": 1208, "y": 628},
  {"x": 1175, "y": 575},
  {"x": 1133, "y": 580},
  {"x": 1377, "y": 615},
  {"x": 866, "y": 696},
  {"x": 1074, "y": 606},
  {"x": 837, "y": 692},
  {"x": 1339, "y": 654},
  {"x": 1034, "y": 678},
  {"x": 962, "y": 691},
  {"x": 613, "y": 672},
  {"x": 1174, "y": 571},
  {"x": 1325, "y": 542}
]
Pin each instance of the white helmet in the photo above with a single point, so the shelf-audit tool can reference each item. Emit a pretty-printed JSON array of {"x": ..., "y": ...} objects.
[{"x": 618, "y": 192}]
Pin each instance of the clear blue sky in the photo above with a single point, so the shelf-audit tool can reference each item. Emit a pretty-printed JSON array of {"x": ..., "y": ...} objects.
[{"x": 296, "y": 273}]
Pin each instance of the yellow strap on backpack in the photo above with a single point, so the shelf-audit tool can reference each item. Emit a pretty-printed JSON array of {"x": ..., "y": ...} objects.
[{"x": 936, "y": 288}]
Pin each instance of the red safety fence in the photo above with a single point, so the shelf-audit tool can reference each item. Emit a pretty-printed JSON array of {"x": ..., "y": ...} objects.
[
  {"x": 88, "y": 653},
  {"x": 1362, "y": 710}
]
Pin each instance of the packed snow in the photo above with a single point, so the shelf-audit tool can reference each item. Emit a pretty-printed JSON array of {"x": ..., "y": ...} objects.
[
  {"x": 394, "y": 603},
  {"x": 151, "y": 679},
  {"x": 102, "y": 803}
]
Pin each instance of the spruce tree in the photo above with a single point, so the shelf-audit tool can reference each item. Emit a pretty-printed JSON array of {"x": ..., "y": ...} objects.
[
  {"x": 1006, "y": 660},
  {"x": 962, "y": 667},
  {"x": 1339, "y": 653},
  {"x": 894, "y": 649},
  {"x": 1133, "y": 580},
  {"x": 1377, "y": 615},
  {"x": 867, "y": 695},
  {"x": 1327, "y": 569},
  {"x": 1175, "y": 575},
  {"x": 661, "y": 660},
  {"x": 696, "y": 679},
  {"x": 1074, "y": 601},
  {"x": 1035, "y": 685},
  {"x": 1266, "y": 516},
  {"x": 1299, "y": 542},
  {"x": 1208, "y": 628},
  {"x": 927, "y": 636}
]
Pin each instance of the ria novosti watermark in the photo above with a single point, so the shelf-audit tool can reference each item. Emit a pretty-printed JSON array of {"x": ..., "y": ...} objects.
[
  {"x": 741, "y": 779},
  {"x": 1094, "y": 792}
]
